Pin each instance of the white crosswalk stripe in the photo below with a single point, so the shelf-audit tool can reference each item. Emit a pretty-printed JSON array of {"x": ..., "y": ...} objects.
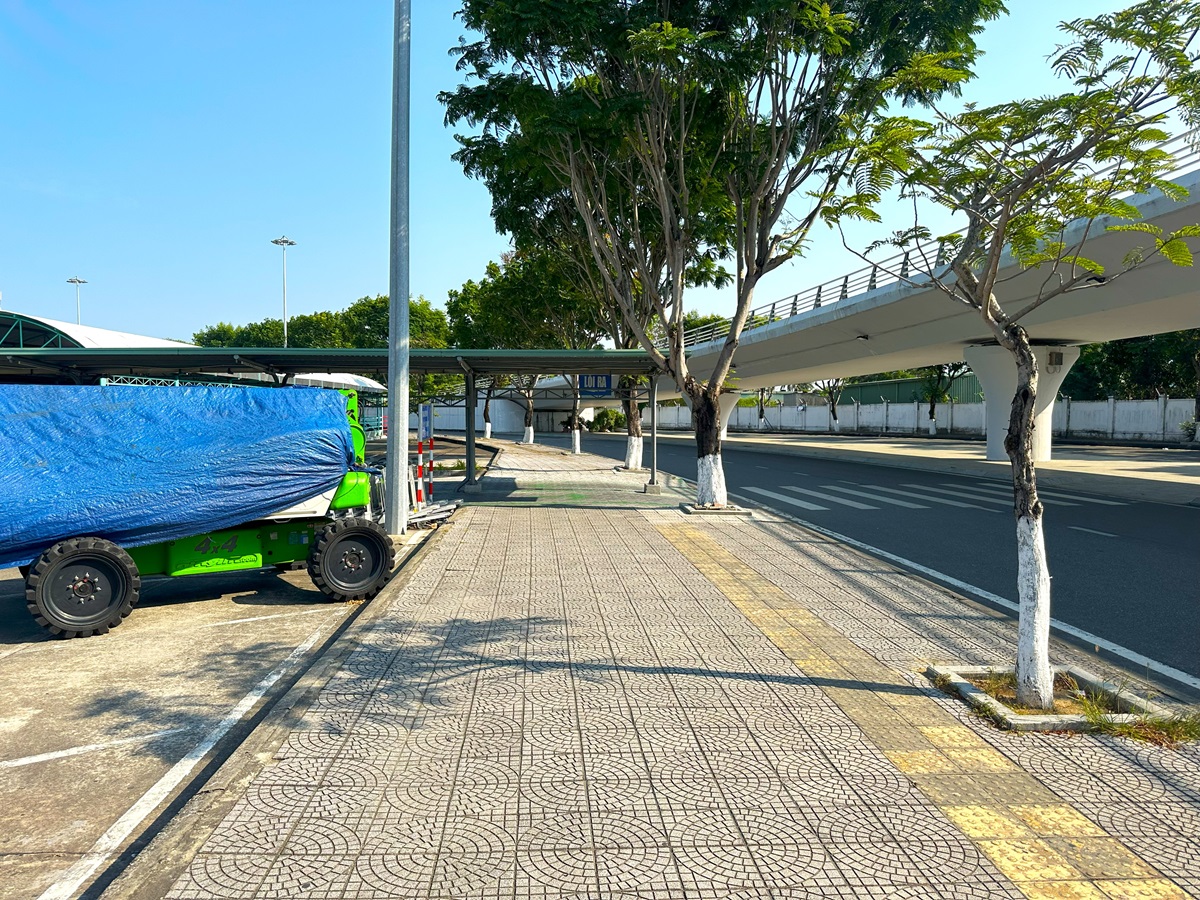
[
  {"x": 941, "y": 500},
  {"x": 890, "y": 500},
  {"x": 1059, "y": 494},
  {"x": 853, "y": 504},
  {"x": 964, "y": 495},
  {"x": 1002, "y": 494},
  {"x": 803, "y": 504}
]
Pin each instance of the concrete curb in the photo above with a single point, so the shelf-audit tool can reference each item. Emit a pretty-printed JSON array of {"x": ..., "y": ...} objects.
[{"x": 160, "y": 853}]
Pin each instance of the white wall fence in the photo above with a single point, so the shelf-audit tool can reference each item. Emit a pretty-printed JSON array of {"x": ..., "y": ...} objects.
[{"x": 1141, "y": 420}]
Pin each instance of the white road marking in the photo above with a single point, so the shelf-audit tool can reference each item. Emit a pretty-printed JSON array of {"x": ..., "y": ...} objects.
[
  {"x": 782, "y": 499},
  {"x": 1005, "y": 494},
  {"x": 307, "y": 612},
  {"x": 962, "y": 494},
  {"x": 801, "y": 474},
  {"x": 1091, "y": 531},
  {"x": 853, "y": 504},
  {"x": 763, "y": 467},
  {"x": 875, "y": 497},
  {"x": 86, "y": 748},
  {"x": 111, "y": 841},
  {"x": 941, "y": 500},
  {"x": 1095, "y": 640},
  {"x": 1001, "y": 487}
]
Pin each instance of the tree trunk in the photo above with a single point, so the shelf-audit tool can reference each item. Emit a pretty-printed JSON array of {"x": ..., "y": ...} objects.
[
  {"x": 575, "y": 429},
  {"x": 1196, "y": 408},
  {"x": 837, "y": 426},
  {"x": 487, "y": 414},
  {"x": 933, "y": 415},
  {"x": 710, "y": 474},
  {"x": 528, "y": 439},
  {"x": 1035, "y": 681},
  {"x": 633, "y": 430}
]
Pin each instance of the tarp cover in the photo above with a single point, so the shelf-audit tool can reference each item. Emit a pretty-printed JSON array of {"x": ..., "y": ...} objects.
[{"x": 138, "y": 465}]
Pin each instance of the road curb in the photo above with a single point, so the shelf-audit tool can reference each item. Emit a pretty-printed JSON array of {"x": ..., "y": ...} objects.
[{"x": 159, "y": 854}]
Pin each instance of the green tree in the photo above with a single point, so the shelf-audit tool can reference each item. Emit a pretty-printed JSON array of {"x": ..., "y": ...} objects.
[
  {"x": 1033, "y": 177},
  {"x": 710, "y": 118}
]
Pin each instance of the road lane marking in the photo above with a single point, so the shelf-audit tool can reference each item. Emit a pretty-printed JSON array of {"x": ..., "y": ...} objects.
[
  {"x": 109, "y": 842},
  {"x": 763, "y": 467},
  {"x": 1091, "y": 531},
  {"x": 1087, "y": 637},
  {"x": 86, "y": 748},
  {"x": 1059, "y": 494},
  {"x": 782, "y": 499},
  {"x": 1006, "y": 494},
  {"x": 307, "y": 612},
  {"x": 941, "y": 500},
  {"x": 876, "y": 498},
  {"x": 853, "y": 504},
  {"x": 961, "y": 494}
]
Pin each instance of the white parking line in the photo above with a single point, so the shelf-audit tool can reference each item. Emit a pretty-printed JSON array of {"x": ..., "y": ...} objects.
[
  {"x": 86, "y": 748},
  {"x": 1087, "y": 637},
  {"x": 111, "y": 841},
  {"x": 782, "y": 499},
  {"x": 853, "y": 504},
  {"x": 1090, "y": 531},
  {"x": 307, "y": 612}
]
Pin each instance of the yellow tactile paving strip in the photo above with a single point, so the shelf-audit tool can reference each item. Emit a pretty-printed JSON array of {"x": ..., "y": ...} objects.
[{"x": 1046, "y": 847}]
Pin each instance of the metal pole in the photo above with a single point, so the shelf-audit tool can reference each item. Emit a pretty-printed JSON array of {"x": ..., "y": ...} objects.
[
  {"x": 472, "y": 400},
  {"x": 78, "y": 311},
  {"x": 397, "y": 439},
  {"x": 654, "y": 431},
  {"x": 285, "y": 295}
]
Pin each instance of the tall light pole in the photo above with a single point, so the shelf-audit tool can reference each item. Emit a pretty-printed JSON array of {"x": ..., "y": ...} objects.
[
  {"x": 396, "y": 505},
  {"x": 284, "y": 243},
  {"x": 77, "y": 281}
]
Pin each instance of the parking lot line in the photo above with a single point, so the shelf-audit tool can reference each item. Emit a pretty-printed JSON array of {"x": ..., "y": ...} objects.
[{"x": 86, "y": 748}]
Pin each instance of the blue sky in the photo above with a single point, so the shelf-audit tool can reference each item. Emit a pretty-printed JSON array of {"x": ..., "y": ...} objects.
[{"x": 155, "y": 148}]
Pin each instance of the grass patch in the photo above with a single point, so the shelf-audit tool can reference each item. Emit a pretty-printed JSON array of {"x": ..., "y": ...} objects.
[
  {"x": 1165, "y": 731},
  {"x": 1068, "y": 699},
  {"x": 459, "y": 465}
]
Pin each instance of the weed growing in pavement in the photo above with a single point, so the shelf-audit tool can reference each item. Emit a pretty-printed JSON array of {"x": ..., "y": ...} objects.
[
  {"x": 1165, "y": 731},
  {"x": 1003, "y": 687}
]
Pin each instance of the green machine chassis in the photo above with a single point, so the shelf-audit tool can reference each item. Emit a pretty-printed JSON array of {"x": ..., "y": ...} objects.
[{"x": 87, "y": 585}]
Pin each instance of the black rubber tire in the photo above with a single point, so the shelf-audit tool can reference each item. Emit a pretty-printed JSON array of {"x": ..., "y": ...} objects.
[
  {"x": 351, "y": 559},
  {"x": 62, "y": 587}
]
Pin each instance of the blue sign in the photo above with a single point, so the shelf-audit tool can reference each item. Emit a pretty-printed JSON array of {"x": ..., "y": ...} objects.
[
  {"x": 595, "y": 385},
  {"x": 425, "y": 423}
]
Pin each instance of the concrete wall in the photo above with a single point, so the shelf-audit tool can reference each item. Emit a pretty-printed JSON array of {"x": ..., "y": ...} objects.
[{"x": 1143, "y": 420}]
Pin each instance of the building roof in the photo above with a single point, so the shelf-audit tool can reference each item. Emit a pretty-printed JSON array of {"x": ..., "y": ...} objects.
[{"x": 19, "y": 330}]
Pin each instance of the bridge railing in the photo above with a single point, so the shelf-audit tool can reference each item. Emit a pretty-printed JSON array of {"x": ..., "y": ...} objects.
[{"x": 912, "y": 264}]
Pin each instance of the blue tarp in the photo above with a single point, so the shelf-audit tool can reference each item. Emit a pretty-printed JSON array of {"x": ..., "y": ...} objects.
[{"x": 139, "y": 465}]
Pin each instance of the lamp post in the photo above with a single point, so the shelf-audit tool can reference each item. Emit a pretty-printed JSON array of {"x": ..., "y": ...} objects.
[
  {"x": 77, "y": 281},
  {"x": 283, "y": 243},
  {"x": 396, "y": 478}
]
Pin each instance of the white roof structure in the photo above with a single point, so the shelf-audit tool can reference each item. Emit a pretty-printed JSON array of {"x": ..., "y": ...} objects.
[
  {"x": 340, "y": 380},
  {"x": 90, "y": 336}
]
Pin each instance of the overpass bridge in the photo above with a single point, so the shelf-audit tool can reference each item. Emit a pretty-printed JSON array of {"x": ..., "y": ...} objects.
[{"x": 872, "y": 320}]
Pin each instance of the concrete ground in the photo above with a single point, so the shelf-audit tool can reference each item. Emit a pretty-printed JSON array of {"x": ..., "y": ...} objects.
[
  {"x": 582, "y": 692},
  {"x": 99, "y": 735}
]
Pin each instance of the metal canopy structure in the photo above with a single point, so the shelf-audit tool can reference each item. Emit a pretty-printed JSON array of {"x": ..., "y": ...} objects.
[{"x": 86, "y": 364}]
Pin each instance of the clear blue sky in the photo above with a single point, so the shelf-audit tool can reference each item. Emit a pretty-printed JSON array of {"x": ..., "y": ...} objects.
[{"x": 155, "y": 148}]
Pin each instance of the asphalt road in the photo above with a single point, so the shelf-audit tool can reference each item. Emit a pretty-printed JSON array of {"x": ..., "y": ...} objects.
[{"x": 1126, "y": 571}]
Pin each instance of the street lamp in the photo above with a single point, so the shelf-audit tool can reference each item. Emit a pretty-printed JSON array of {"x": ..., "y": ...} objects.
[
  {"x": 77, "y": 281},
  {"x": 284, "y": 243}
]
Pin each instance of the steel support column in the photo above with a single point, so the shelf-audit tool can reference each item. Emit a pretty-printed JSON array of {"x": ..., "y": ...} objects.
[{"x": 652, "y": 486}]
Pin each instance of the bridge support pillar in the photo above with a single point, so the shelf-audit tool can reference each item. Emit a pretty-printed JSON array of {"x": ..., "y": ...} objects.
[
  {"x": 729, "y": 402},
  {"x": 997, "y": 373}
]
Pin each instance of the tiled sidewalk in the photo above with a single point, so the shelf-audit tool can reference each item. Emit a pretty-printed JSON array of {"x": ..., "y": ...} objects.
[{"x": 583, "y": 692}]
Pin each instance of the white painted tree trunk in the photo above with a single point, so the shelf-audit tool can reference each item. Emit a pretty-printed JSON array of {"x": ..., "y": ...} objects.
[
  {"x": 932, "y": 425},
  {"x": 633, "y": 452},
  {"x": 837, "y": 426},
  {"x": 575, "y": 448},
  {"x": 528, "y": 439},
  {"x": 710, "y": 481},
  {"x": 1034, "y": 677},
  {"x": 487, "y": 430}
]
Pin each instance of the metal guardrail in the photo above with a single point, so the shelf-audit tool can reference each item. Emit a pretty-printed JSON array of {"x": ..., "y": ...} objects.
[{"x": 911, "y": 264}]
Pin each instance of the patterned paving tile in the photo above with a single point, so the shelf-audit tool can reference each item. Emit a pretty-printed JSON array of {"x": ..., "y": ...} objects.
[{"x": 517, "y": 724}]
